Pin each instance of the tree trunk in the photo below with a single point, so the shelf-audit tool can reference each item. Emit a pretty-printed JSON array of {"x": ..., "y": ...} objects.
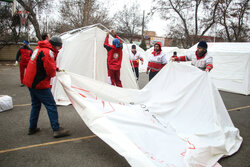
[
  {"x": 86, "y": 12},
  {"x": 32, "y": 18}
]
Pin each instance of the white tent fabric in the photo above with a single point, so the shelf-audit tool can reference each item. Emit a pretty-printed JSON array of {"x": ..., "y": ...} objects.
[
  {"x": 83, "y": 53},
  {"x": 178, "y": 119},
  {"x": 231, "y": 62}
]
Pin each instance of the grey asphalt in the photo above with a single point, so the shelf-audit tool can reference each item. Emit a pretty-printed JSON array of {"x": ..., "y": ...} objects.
[{"x": 88, "y": 152}]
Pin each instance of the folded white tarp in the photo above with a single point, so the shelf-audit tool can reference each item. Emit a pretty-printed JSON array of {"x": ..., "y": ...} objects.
[
  {"x": 5, "y": 103},
  {"x": 177, "y": 120}
]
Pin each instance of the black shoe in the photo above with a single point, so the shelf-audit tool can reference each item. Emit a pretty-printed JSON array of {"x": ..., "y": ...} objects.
[
  {"x": 33, "y": 131},
  {"x": 22, "y": 85},
  {"x": 60, "y": 133}
]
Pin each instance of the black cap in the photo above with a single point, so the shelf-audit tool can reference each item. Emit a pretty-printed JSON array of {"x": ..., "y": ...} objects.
[
  {"x": 133, "y": 46},
  {"x": 56, "y": 41},
  {"x": 202, "y": 44}
]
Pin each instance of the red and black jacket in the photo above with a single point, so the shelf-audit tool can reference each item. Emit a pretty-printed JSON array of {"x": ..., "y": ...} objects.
[
  {"x": 114, "y": 54},
  {"x": 41, "y": 67},
  {"x": 25, "y": 53}
]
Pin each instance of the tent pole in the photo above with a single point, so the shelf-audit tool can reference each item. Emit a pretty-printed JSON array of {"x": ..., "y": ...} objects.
[{"x": 95, "y": 56}]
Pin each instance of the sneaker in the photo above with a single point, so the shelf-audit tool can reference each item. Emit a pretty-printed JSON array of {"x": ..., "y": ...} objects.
[
  {"x": 33, "y": 131},
  {"x": 60, "y": 133}
]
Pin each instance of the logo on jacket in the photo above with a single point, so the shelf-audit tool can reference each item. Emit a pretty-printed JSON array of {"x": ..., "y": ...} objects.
[
  {"x": 51, "y": 53},
  {"x": 34, "y": 54},
  {"x": 115, "y": 55}
]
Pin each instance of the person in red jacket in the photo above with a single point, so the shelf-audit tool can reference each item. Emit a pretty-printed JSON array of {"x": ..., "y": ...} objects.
[
  {"x": 40, "y": 70},
  {"x": 114, "y": 59},
  {"x": 23, "y": 54}
]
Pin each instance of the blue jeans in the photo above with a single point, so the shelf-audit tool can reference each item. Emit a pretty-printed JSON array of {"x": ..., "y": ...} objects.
[{"x": 43, "y": 96}]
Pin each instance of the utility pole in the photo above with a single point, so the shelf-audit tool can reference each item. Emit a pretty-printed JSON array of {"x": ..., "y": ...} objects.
[
  {"x": 142, "y": 31},
  {"x": 143, "y": 45}
]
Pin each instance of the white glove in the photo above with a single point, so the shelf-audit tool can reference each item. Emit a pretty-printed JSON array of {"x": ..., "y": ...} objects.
[{"x": 16, "y": 63}]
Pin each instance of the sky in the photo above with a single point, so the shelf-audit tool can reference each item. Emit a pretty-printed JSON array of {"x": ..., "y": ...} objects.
[{"x": 155, "y": 24}]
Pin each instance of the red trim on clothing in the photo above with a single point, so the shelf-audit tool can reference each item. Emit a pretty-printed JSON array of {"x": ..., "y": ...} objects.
[
  {"x": 209, "y": 67},
  {"x": 135, "y": 63},
  {"x": 155, "y": 66},
  {"x": 181, "y": 58},
  {"x": 156, "y": 54},
  {"x": 200, "y": 57}
]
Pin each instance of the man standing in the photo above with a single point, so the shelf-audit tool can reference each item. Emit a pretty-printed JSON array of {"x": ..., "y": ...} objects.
[
  {"x": 24, "y": 54},
  {"x": 199, "y": 59},
  {"x": 157, "y": 60},
  {"x": 114, "y": 58},
  {"x": 134, "y": 60},
  {"x": 40, "y": 70}
]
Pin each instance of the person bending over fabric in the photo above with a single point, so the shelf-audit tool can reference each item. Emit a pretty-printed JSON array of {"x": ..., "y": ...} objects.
[
  {"x": 157, "y": 60},
  {"x": 24, "y": 53},
  {"x": 40, "y": 70},
  {"x": 134, "y": 60},
  {"x": 200, "y": 58},
  {"x": 114, "y": 59}
]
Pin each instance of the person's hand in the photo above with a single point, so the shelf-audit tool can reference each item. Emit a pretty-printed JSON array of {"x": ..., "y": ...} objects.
[
  {"x": 172, "y": 59},
  {"x": 147, "y": 72},
  {"x": 59, "y": 70},
  {"x": 207, "y": 70},
  {"x": 16, "y": 63},
  {"x": 113, "y": 33}
]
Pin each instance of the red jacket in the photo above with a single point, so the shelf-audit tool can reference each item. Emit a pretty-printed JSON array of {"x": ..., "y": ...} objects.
[
  {"x": 114, "y": 54},
  {"x": 25, "y": 53},
  {"x": 41, "y": 67}
]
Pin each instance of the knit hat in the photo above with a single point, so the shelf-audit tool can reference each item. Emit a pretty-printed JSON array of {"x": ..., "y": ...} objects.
[
  {"x": 202, "y": 44},
  {"x": 133, "y": 46},
  {"x": 26, "y": 42},
  {"x": 56, "y": 41},
  {"x": 117, "y": 43}
]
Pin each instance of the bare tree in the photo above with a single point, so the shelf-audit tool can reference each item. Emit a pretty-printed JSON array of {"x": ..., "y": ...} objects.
[
  {"x": 191, "y": 17},
  {"x": 129, "y": 20},
  {"x": 10, "y": 29},
  {"x": 79, "y": 13},
  {"x": 234, "y": 19},
  {"x": 34, "y": 7}
]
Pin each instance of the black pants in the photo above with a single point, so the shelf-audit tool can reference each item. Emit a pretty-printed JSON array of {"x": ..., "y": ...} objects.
[
  {"x": 136, "y": 72},
  {"x": 152, "y": 74}
]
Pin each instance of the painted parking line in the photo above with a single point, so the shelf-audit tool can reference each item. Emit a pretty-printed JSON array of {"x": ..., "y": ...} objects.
[
  {"x": 46, "y": 144},
  {"x": 73, "y": 139},
  {"x": 21, "y": 105},
  {"x": 238, "y": 108}
]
